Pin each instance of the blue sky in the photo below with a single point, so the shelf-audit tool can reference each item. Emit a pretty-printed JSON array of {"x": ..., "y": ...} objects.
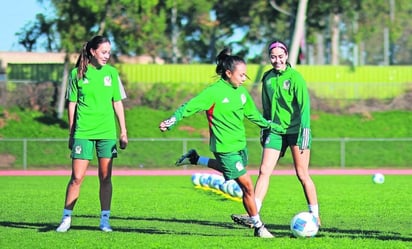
[{"x": 14, "y": 15}]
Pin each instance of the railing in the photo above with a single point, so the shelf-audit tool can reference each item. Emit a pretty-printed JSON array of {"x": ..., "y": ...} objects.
[{"x": 22, "y": 153}]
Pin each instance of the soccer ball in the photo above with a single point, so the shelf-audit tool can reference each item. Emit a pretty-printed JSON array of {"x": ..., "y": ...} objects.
[
  {"x": 217, "y": 181},
  {"x": 304, "y": 225},
  {"x": 196, "y": 179},
  {"x": 204, "y": 180},
  {"x": 231, "y": 185},
  {"x": 378, "y": 178}
]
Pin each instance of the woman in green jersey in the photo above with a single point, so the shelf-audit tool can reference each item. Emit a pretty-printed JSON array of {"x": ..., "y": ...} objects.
[
  {"x": 94, "y": 96},
  {"x": 227, "y": 103},
  {"x": 285, "y": 101}
]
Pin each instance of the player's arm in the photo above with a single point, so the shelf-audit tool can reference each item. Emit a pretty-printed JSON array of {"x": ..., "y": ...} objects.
[
  {"x": 201, "y": 102},
  {"x": 119, "y": 111},
  {"x": 303, "y": 100},
  {"x": 71, "y": 112}
]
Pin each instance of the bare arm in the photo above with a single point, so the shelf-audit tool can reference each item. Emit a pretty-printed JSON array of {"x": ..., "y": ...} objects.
[
  {"x": 119, "y": 110},
  {"x": 71, "y": 117}
]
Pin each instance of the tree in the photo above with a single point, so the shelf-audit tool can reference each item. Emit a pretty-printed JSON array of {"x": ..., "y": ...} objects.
[{"x": 30, "y": 34}]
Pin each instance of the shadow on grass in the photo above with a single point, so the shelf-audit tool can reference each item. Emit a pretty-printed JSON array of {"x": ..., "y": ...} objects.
[
  {"x": 51, "y": 120},
  {"x": 279, "y": 230}
]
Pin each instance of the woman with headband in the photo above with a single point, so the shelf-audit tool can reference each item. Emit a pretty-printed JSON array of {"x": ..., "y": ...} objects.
[{"x": 286, "y": 102}]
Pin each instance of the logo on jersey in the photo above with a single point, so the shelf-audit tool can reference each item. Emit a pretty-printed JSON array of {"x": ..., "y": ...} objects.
[
  {"x": 78, "y": 149},
  {"x": 286, "y": 84},
  {"x": 243, "y": 99},
  {"x": 225, "y": 100},
  {"x": 107, "y": 81},
  {"x": 85, "y": 81},
  {"x": 239, "y": 166}
]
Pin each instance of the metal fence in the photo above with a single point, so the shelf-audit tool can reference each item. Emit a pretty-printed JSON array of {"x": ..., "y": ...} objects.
[{"x": 32, "y": 153}]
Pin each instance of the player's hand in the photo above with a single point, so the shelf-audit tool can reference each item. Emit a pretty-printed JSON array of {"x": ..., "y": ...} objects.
[
  {"x": 123, "y": 141},
  {"x": 277, "y": 128},
  {"x": 167, "y": 124},
  {"x": 304, "y": 139}
]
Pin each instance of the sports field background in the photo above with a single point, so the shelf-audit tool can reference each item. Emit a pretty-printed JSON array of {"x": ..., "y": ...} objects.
[{"x": 151, "y": 210}]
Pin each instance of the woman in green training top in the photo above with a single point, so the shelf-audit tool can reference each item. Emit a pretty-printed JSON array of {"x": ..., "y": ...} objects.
[
  {"x": 285, "y": 101},
  {"x": 95, "y": 95},
  {"x": 226, "y": 103}
]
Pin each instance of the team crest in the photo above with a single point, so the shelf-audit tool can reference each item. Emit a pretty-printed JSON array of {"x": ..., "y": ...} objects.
[
  {"x": 286, "y": 84},
  {"x": 243, "y": 99},
  {"x": 107, "y": 81},
  {"x": 239, "y": 166},
  {"x": 78, "y": 149}
]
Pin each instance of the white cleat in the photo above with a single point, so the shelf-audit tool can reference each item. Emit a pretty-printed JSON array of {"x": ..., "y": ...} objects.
[{"x": 64, "y": 225}]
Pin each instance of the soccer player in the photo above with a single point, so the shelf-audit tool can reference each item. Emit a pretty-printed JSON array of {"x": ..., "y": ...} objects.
[
  {"x": 285, "y": 101},
  {"x": 95, "y": 95},
  {"x": 227, "y": 103}
]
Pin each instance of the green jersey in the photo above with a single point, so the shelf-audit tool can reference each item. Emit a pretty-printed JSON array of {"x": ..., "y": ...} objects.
[
  {"x": 285, "y": 99},
  {"x": 226, "y": 107},
  {"x": 95, "y": 94}
]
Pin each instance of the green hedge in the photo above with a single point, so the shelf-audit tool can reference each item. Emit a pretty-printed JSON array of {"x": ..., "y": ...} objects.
[{"x": 329, "y": 82}]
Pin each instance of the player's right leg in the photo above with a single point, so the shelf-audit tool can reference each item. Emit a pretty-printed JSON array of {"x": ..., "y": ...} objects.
[
  {"x": 269, "y": 159},
  {"x": 80, "y": 161},
  {"x": 246, "y": 184}
]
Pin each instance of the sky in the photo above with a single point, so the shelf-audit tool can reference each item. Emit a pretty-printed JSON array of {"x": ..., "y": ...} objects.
[{"x": 13, "y": 17}]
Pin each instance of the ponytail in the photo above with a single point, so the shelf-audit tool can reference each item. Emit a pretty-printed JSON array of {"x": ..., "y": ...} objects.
[{"x": 225, "y": 61}]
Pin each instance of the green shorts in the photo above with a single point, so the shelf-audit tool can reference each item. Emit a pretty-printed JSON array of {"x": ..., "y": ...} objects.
[
  {"x": 84, "y": 148},
  {"x": 233, "y": 163},
  {"x": 279, "y": 141}
]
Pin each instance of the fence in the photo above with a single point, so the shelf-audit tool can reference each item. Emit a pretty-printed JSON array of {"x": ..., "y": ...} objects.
[
  {"x": 149, "y": 153},
  {"x": 330, "y": 82}
]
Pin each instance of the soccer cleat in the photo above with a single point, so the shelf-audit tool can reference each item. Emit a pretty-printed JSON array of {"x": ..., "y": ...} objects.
[
  {"x": 262, "y": 232},
  {"x": 191, "y": 157},
  {"x": 64, "y": 225},
  {"x": 105, "y": 226},
  {"x": 242, "y": 219},
  {"x": 319, "y": 222}
]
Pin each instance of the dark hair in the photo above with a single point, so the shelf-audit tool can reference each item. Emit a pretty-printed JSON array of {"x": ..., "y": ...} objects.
[
  {"x": 278, "y": 44},
  {"x": 226, "y": 61},
  {"x": 85, "y": 55}
]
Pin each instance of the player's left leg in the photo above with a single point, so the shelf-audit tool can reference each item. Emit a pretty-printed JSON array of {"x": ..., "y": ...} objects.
[
  {"x": 301, "y": 164},
  {"x": 105, "y": 192},
  {"x": 192, "y": 157},
  {"x": 246, "y": 184},
  {"x": 106, "y": 151}
]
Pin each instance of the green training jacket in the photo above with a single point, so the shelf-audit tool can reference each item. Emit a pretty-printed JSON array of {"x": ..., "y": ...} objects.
[
  {"x": 226, "y": 107},
  {"x": 285, "y": 99}
]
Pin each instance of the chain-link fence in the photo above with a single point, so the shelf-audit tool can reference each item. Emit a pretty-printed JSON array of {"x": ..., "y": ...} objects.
[{"x": 149, "y": 153}]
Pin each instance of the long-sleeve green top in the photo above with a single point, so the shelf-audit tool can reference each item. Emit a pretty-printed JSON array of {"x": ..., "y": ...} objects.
[
  {"x": 285, "y": 99},
  {"x": 226, "y": 107}
]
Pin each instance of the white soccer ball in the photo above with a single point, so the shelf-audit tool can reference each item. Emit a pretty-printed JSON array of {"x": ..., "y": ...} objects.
[
  {"x": 231, "y": 185},
  {"x": 237, "y": 191},
  {"x": 224, "y": 186},
  {"x": 378, "y": 178},
  {"x": 196, "y": 179},
  {"x": 204, "y": 180},
  {"x": 217, "y": 181},
  {"x": 304, "y": 225}
]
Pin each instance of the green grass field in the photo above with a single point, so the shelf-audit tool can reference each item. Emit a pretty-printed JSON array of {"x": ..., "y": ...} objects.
[{"x": 169, "y": 212}]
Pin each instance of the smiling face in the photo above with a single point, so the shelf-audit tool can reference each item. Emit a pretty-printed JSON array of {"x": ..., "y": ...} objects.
[
  {"x": 101, "y": 55},
  {"x": 238, "y": 75},
  {"x": 278, "y": 58}
]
